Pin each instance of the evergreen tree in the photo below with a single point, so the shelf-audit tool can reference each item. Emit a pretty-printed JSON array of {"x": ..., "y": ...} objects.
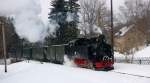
[
  {"x": 65, "y": 14},
  {"x": 72, "y": 18},
  {"x": 58, "y": 12}
]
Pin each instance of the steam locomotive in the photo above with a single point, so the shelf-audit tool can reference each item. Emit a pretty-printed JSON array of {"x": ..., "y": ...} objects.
[{"x": 93, "y": 53}]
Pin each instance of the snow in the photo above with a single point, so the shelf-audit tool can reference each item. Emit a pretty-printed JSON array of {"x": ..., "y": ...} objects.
[
  {"x": 2, "y": 61},
  {"x": 117, "y": 54},
  {"x": 85, "y": 27},
  {"x": 124, "y": 30},
  {"x": 139, "y": 57},
  {"x": 97, "y": 29},
  {"x": 135, "y": 69},
  {"x": 143, "y": 53},
  {"x": 70, "y": 17},
  {"x": 35, "y": 72}
]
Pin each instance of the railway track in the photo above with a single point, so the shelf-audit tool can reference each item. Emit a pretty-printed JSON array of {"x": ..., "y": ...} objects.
[{"x": 131, "y": 74}]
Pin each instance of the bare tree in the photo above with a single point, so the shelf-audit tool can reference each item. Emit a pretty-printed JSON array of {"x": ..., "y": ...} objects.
[
  {"x": 137, "y": 13},
  {"x": 146, "y": 21},
  {"x": 93, "y": 12},
  {"x": 131, "y": 11}
]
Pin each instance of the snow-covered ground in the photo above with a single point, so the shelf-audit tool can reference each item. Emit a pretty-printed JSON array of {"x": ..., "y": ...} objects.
[
  {"x": 35, "y": 72},
  {"x": 139, "y": 54},
  {"x": 140, "y": 57},
  {"x": 2, "y": 61},
  {"x": 141, "y": 70},
  {"x": 143, "y": 53}
]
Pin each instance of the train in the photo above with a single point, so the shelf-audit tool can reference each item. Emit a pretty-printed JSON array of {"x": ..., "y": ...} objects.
[{"x": 93, "y": 53}]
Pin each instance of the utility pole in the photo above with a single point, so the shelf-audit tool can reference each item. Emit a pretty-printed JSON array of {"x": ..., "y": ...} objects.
[
  {"x": 4, "y": 45},
  {"x": 112, "y": 27}
]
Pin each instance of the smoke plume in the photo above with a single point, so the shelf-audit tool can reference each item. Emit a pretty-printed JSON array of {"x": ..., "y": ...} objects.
[{"x": 27, "y": 21}]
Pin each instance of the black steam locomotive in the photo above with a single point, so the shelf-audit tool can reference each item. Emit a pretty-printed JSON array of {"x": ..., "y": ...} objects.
[{"x": 93, "y": 53}]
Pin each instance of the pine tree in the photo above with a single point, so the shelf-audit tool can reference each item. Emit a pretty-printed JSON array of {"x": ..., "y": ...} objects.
[
  {"x": 65, "y": 14},
  {"x": 72, "y": 18},
  {"x": 73, "y": 8},
  {"x": 58, "y": 12}
]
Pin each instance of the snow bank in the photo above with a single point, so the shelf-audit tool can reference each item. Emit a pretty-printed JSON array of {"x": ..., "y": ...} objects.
[
  {"x": 2, "y": 61},
  {"x": 143, "y": 53},
  {"x": 119, "y": 55},
  {"x": 139, "y": 54}
]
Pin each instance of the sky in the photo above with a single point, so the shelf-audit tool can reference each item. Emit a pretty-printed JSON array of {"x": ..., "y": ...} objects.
[
  {"x": 46, "y": 5},
  {"x": 116, "y": 4}
]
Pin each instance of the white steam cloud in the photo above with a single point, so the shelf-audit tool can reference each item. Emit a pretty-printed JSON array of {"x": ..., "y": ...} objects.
[
  {"x": 68, "y": 62},
  {"x": 27, "y": 21}
]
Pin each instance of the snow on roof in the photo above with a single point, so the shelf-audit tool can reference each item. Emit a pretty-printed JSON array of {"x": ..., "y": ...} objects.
[{"x": 124, "y": 30}]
